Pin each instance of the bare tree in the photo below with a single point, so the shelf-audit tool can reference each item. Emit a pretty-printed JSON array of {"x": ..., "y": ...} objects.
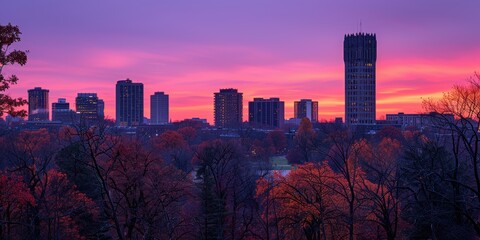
[
  {"x": 457, "y": 117},
  {"x": 227, "y": 188},
  {"x": 381, "y": 169},
  {"x": 344, "y": 156}
]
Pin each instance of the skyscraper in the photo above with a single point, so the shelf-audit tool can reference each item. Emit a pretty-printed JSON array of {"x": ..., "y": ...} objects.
[
  {"x": 266, "y": 112},
  {"x": 129, "y": 103},
  {"x": 38, "y": 104},
  {"x": 61, "y": 111},
  {"x": 360, "y": 56},
  {"x": 159, "y": 108},
  {"x": 306, "y": 108},
  {"x": 87, "y": 106},
  {"x": 228, "y": 108},
  {"x": 101, "y": 109}
]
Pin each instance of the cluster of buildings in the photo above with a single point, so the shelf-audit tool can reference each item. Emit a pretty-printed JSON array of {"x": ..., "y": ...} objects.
[
  {"x": 89, "y": 109},
  {"x": 262, "y": 113},
  {"x": 228, "y": 108},
  {"x": 360, "y": 55}
]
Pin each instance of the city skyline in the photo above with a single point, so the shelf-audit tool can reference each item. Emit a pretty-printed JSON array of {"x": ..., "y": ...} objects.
[{"x": 293, "y": 52}]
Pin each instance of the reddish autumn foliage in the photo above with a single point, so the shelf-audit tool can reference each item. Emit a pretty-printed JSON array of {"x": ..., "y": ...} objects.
[
  {"x": 174, "y": 149},
  {"x": 61, "y": 207},
  {"x": 169, "y": 140},
  {"x": 305, "y": 140},
  {"x": 188, "y": 133},
  {"x": 147, "y": 196},
  {"x": 278, "y": 141},
  {"x": 14, "y": 200},
  {"x": 55, "y": 208},
  {"x": 261, "y": 150},
  {"x": 303, "y": 205}
]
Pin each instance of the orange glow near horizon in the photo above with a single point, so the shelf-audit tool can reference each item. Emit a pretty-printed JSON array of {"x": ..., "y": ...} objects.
[
  {"x": 401, "y": 84},
  {"x": 191, "y": 49}
]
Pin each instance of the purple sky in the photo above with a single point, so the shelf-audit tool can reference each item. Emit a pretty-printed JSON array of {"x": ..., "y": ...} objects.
[{"x": 287, "y": 49}]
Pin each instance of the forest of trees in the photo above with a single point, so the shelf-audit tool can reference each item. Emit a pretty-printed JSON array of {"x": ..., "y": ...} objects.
[
  {"x": 91, "y": 183},
  {"x": 82, "y": 182}
]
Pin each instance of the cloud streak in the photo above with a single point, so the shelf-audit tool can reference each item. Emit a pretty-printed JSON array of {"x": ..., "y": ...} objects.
[{"x": 285, "y": 49}]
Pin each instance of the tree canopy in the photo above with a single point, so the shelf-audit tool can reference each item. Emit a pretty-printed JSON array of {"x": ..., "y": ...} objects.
[{"x": 10, "y": 34}]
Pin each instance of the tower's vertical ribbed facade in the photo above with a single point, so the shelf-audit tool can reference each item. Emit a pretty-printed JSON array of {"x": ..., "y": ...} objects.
[{"x": 360, "y": 56}]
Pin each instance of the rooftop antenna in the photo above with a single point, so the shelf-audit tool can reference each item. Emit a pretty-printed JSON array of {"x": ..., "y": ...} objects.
[{"x": 360, "y": 25}]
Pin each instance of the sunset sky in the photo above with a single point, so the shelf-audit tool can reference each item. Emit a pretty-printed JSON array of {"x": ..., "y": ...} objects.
[{"x": 265, "y": 48}]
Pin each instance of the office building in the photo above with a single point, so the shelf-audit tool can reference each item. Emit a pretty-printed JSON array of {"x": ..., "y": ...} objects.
[
  {"x": 228, "y": 108},
  {"x": 87, "y": 107},
  {"x": 158, "y": 108},
  {"x": 269, "y": 113},
  {"x": 306, "y": 108},
  {"x": 38, "y": 104},
  {"x": 418, "y": 120},
  {"x": 61, "y": 112},
  {"x": 360, "y": 55},
  {"x": 101, "y": 109},
  {"x": 129, "y": 103}
]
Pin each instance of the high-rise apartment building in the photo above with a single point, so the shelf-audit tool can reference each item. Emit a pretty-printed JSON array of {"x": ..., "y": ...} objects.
[
  {"x": 360, "y": 56},
  {"x": 129, "y": 103},
  {"x": 159, "y": 108},
  {"x": 101, "y": 109},
  {"x": 61, "y": 111},
  {"x": 306, "y": 108},
  {"x": 268, "y": 113},
  {"x": 87, "y": 106},
  {"x": 38, "y": 104},
  {"x": 228, "y": 108}
]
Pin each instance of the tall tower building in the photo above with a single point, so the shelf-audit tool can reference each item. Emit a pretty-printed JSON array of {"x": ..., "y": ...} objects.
[
  {"x": 228, "y": 108},
  {"x": 129, "y": 103},
  {"x": 360, "y": 56},
  {"x": 266, "y": 112},
  {"x": 101, "y": 109},
  {"x": 38, "y": 104},
  {"x": 306, "y": 108},
  {"x": 87, "y": 106},
  {"x": 159, "y": 108}
]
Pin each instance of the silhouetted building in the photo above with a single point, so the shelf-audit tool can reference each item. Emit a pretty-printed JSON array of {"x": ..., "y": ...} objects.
[
  {"x": 101, "y": 109},
  {"x": 360, "y": 55},
  {"x": 293, "y": 122},
  {"x": 87, "y": 107},
  {"x": 38, "y": 104},
  {"x": 129, "y": 103},
  {"x": 338, "y": 120},
  {"x": 266, "y": 112},
  {"x": 159, "y": 108},
  {"x": 306, "y": 108},
  {"x": 61, "y": 112},
  {"x": 417, "y": 120},
  {"x": 228, "y": 108},
  {"x": 13, "y": 121}
]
